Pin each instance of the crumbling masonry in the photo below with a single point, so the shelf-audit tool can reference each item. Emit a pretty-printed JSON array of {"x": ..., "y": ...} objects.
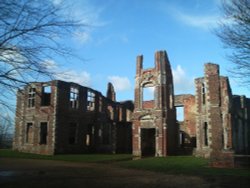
[
  {"x": 222, "y": 120},
  {"x": 61, "y": 117},
  {"x": 154, "y": 122}
]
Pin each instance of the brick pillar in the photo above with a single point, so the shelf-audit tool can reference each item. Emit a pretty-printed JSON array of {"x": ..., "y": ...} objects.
[{"x": 212, "y": 81}]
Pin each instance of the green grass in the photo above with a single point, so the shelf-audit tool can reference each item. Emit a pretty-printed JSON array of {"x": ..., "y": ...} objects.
[
  {"x": 94, "y": 158},
  {"x": 187, "y": 165}
]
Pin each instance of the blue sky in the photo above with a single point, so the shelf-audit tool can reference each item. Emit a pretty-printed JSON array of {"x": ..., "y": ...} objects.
[{"x": 119, "y": 30}]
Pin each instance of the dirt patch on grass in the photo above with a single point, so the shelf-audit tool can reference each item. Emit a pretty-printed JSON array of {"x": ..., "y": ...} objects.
[{"x": 44, "y": 173}]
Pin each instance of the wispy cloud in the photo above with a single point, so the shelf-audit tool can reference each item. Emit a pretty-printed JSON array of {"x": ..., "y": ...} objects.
[
  {"x": 82, "y": 36},
  {"x": 194, "y": 19},
  {"x": 80, "y": 77},
  {"x": 87, "y": 13},
  {"x": 182, "y": 82},
  {"x": 203, "y": 22},
  {"x": 56, "y": 2},
  {"x": 120, "y": 83}
]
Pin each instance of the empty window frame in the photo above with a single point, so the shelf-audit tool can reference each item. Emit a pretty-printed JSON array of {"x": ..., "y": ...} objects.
[
  {"x": 31, "y": 97},
  {"x": 29, "y": 132},
  {"x": 87, "y": 142},
  {"x": 148, "y": 97},
  {"x": 205, "y": 131},
  {"x": 148, "y": 93},
  {"x": 72, "y": 133},
  {"x": 91, "y": 101},
  {"x": 74, "y": 97},
  {"x": 203, "y": 93},
  {"x": 46, "y": 94},
  {"x": 180, "y": 113},
  {"x": 43, "y": 132}
]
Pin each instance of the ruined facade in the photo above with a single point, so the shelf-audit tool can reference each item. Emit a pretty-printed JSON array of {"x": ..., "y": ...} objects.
[
  {"x": 61, "y": 117},
  {"x": 241, "y": 124},
  {"x": 187, "y": 128},
  {"x": 155, "y": 131},
  {"x": 222, "y": 120}
]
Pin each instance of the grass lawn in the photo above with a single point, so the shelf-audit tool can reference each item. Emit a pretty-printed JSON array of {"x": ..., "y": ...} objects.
[
  {"x": 94, "y": 158},
  {"x": 186, "y": 165}
]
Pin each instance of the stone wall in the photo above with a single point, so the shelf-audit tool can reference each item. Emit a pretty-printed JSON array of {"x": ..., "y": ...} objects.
[
  {"x": 187, "y": 126},
  {"x": 155, "y": 131},
  {"x": 213, "y": 117},
  {"x": 70, "y": 118}
]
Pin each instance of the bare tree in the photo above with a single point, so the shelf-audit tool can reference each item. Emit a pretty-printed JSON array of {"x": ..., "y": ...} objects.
[
  {"x": 31, "y": 32},
  {"x": 6, "y": 124},
  {"x": 235, "y": 35}
]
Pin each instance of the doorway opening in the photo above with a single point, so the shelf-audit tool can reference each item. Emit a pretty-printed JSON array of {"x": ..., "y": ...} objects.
[{"x": 148, "y": 142}]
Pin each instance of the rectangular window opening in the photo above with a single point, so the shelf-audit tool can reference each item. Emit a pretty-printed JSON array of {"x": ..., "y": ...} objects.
[
  {"x": 74, "y": 97},
  {"x": 87, "y": 140},
  {"x": 148, "y": 97},
  {"x": 43, "y": 132},
  {"x": 29, "y": 131},
  {"x": 46, "y": 94},
  {"x": 72, "y": 133},
  {"x": 31, "y": 97},
  {"x": 91, "y": 101},
  {"x": 205, "y": 134},
  {"x": 180, "y": 113},
  {"x": 203, "y": 94}
]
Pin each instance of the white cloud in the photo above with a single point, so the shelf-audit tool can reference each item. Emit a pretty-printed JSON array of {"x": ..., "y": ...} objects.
[
  {"x": 204, "y": 22},
  {"x": 82, "y": 78},
  {"x": 85, "y": 12},
  {"x": 56, "y": 2},
  {"x": 120, "y": 83},
  {"x": 198, "y": 20},
  {"x": 49, "y": 64},
  {"x": 182, "y": 83},
  {"x": 82, "y": 36}
]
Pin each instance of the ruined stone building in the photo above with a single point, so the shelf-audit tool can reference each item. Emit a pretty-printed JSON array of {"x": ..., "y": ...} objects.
[
  {"x": 155, "y": 131},
  {"x": 62, "y": 117},
  {"x": 222, "y": 119},
  {"x": 216, "y": 124}
]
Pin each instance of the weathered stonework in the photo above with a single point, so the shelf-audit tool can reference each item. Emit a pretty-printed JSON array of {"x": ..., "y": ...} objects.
[
  {"x": 155, "y": 131},
  {"x": 222, "y": 120},
  {"x": 187, "y": 126},
  {"x": 62, "y": 117},
  {"x": 70, "y": 118}
]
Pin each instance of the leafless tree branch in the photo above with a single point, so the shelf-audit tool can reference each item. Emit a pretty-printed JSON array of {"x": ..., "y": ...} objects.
[
  {"x": 235, "y": 36},
  {"x": 31, "y": 32}
]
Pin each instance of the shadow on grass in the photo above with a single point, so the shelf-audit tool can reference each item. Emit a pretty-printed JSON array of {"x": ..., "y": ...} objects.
[
  {"x": 88, "y": 158},
  {"x": 185, "y": 165}
]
